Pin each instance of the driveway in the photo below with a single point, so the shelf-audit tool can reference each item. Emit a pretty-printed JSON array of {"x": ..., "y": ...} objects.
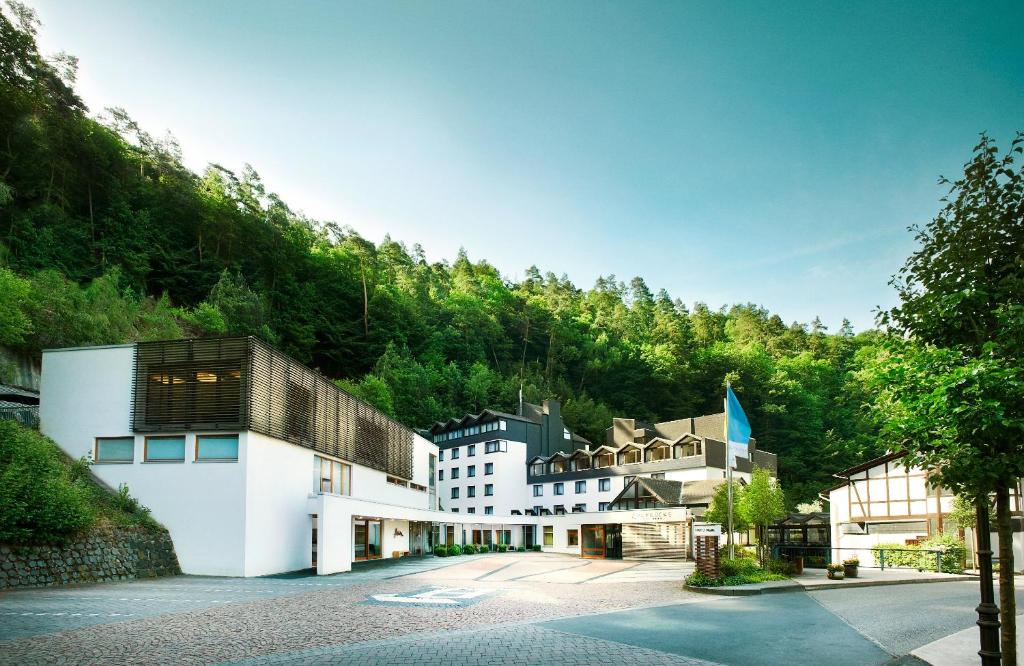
[{"x": 530, "y": 607}]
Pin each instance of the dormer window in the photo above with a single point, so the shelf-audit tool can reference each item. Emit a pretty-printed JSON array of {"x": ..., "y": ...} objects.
[{"x": 629, "y": 456}]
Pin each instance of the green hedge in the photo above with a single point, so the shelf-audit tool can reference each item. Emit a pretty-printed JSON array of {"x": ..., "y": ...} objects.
[
  {"x": 536, "y": 547},
  {"x": 918, "y": 557},
  {"x": 454, "y": 549},
  {"x": 484, "y": 548},
  {"x": 469, "y": 549},
  {"x": 42, "y": 498},
  {"x": 502, "y": 548},
  {"x": 441, "y": 551}
]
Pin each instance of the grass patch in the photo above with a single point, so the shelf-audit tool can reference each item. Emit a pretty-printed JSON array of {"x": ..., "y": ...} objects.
[{"x": 45, "y": 497}]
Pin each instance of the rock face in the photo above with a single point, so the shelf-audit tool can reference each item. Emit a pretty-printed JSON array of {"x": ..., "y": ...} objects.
[{"x": 109, "y": 554}]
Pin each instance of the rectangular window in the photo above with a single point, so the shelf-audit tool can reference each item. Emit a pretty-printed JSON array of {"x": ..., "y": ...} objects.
[
  {"x": 538, "y": 490},
  {"x": 537, "y": 509},
  {"x": 471, "y": 450},
  {"x": 659, "y": 475},
  {"x": 604, "y": 485},
  {"x": 581, "y": 487},
  {"x": 503, "y": 425},
  {"x": 489, "y": 510},
  {"x": 572, "y": 537},
  {"x": 115, "y": 450},
  {"x": 559, "y": 488},
  {"x": 440, "y": 475},
  {"x": 537, "y": 469},
  {"x": 440, "y": 455},
  {"x": 579, "y": 508},
  {"x": 488, "y": 489},
  {"x": 549, "y": 535},
  {"x": 489, "y": 468},
  {"x": 455, "y": 454},
  {"x": 217, "y": 447},
  {"x": 496, "y": 446},
  {"x": 560, "y": 509},
  {"x": 471, "y": 470},
  {"x": 602, "y": 506},
  {"x": 331, "y": 476},
  {"x": 455, "y": 472},
  {"x": 471, "y": 510},
  {"x": 165, "y": 449},
  {"x": 627, "y": 479},
  {"x": 470, "y": 491},
  {"x": 455, "y": 510}
]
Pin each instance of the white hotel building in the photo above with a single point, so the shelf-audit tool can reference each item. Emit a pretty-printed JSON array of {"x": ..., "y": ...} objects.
[{"x": 258, "y": 465}]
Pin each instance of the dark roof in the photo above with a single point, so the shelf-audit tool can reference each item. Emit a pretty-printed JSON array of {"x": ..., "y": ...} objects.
[
  {"x": 471, "y": 419},
  {"x": 15, "y": 396},
  {"x": 667, "y": 492},
  {"x": 870, "y": 463},
  {"x": 701, "y": 492},
  {"x": 816, "y": 518}
]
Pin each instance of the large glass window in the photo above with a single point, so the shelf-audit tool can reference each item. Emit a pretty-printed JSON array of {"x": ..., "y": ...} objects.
[
  {"x": 165, "y": 449},
  {"x": 496, "y": 446},
  {"x": 629, "y": 456},
  {"x": 580, "y": 462},
  {"x": 604, "y": 459},
  {"x": 115, "y": 449},
  {"x": 537, "y": 469},
  {"x": 557, "y": 466},
  {"x": 217, "y": 447},
  {"x": 572, "y": 537},
  {"x": 549, "y": 535}
]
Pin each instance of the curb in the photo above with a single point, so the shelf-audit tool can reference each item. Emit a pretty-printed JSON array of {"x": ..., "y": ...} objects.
[{"x": 756, "y": 589}]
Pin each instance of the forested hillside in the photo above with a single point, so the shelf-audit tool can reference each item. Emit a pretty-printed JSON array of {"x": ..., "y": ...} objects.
[{"x": 106, "y": 237}]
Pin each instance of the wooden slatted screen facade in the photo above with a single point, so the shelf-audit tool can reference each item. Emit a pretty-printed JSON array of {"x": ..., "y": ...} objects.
[{"x": 232, "y": 384}]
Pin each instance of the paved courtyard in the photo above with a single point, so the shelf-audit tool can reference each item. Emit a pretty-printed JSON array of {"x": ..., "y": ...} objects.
[{"x": 529, "y": 608}]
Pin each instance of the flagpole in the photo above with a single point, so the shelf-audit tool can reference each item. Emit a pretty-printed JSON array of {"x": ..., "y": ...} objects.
[{"x": 728, "y": 468}]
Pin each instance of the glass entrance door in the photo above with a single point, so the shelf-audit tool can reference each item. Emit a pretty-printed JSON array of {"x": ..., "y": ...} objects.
[
  {"x": 592, "y": 541},
  {"x": 366, "y": 539}
]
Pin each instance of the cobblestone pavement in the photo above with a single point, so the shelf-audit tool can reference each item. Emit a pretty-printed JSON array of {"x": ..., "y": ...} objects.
[
  {"x": 523, "y": 644},
  {"x": 195, "y": 620}
]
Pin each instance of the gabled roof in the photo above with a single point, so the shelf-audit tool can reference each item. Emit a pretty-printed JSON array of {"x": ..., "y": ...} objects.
[
  {"x": 665, "y": 491},
  {"x": 609, "y": 449},
  {"x": 471, "y": 419},
  {"x": 580, "y": 452}
]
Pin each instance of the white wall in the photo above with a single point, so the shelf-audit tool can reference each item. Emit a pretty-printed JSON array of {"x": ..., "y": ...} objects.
[
  {"x": 87, "y": 394},
  {"x": 508, "y": 478}
]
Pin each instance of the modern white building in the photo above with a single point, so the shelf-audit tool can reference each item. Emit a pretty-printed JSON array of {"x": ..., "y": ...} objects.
[{"x": 882, "y": 501}]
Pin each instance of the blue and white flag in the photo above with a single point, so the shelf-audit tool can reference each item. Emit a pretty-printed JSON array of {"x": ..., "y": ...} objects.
[{"x": 737, "y": 429}]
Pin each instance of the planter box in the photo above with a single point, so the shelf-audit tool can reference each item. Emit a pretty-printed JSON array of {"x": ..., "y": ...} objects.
[{"x": 850, "y": 570}]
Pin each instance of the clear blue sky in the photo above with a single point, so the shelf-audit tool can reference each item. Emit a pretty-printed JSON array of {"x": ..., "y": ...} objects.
[{"x": 765, "y": 152}]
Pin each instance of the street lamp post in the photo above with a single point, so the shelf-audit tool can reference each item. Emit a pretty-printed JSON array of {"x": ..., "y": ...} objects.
[{"x": 988, "y": 612}]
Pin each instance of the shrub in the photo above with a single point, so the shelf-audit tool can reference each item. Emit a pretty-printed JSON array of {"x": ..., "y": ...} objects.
[
  {"x": 953, "y": 557},
  {"x": 502, "y": 548},
  {"x": 741, "y": 566},
  {"x": 42, "y": 500},
  {"x": 834, "y": 567},
  {"x": 781, "y": 567},
  {"x": 852, "y": 562},
  {"x": 908, "y": 556},
  {"x": 454, "y": 549},
  {"x": 484, "y": 548},
  {"x": 441, "y": 551},
  {"x": 469, "y": 549},
  {"x": 536, "y": 547},
  {"x": 699, "y": 579}
]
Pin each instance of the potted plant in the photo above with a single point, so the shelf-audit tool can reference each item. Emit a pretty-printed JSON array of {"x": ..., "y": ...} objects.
[
  {"x": 835, "y": 571},
  {"x": 850, "y": 567}
]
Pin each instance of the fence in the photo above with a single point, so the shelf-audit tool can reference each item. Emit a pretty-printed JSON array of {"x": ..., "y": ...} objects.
[
  {"x": 817, "y": 557},
  {"x": 27, "y": 416}
]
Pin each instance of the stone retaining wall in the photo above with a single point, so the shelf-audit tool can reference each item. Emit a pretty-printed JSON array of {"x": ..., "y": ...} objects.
[{"x": 111, "y": 554}]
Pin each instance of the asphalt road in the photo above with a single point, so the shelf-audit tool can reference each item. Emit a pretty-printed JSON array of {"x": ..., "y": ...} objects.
[{"x": 855, "y": 626}]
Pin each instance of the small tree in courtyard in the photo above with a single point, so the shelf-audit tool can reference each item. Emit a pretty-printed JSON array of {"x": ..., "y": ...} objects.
[{"x": 763, "y": 503}]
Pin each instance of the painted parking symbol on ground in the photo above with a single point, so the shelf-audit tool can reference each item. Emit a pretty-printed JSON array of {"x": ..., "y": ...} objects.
[{"x": 434, "y": 596}]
